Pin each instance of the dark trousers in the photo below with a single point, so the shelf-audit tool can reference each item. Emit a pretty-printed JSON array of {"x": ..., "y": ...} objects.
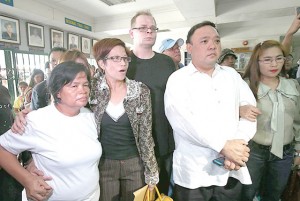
[
  {"x": 262, "y": 164},
  {"x": 10, "y": 189},
  {"x": 165, "y": 169},
  {"x": 230, "y": 192},
  {"x": 120, "y": 178}
]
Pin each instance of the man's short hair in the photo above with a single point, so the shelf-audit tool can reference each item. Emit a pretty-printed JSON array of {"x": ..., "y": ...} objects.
[
  {"x": 197, "y": 26},
  {"x": 22, "y": 83},
  {"x": 57, "y": 49},
  {"x": 147, "y": 13}
]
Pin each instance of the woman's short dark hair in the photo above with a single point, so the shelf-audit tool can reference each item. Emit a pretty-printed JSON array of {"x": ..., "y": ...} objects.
[
  {"x": 63, "y": 74},
  {"x": 34, "y": 73}
]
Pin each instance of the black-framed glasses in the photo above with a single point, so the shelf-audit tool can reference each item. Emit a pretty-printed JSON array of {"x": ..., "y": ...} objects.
[
  {"x": 145, "y": 29},
  {"x": 118, "y": 59},
  {"x": 279, "y": 59}
]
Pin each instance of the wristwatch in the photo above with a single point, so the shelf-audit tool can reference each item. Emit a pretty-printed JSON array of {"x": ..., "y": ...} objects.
[{"x": 297, "y": 154}]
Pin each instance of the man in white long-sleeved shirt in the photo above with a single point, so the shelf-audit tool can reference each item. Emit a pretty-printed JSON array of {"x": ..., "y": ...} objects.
[{"x": 202, "y": 104}]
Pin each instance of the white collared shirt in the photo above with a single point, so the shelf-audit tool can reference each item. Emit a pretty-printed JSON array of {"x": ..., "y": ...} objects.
[{"x": 204, "y": 114}]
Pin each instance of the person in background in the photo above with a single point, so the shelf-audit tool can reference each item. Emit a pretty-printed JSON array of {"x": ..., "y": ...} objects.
[
  {"x": 19, "y": 101},
  {"x": 298, "y": 70},
  {"x": 227, "y": 58},
  {"x": 9, "y": 33},
  {"x": 40, "y": 96},
  {"x": 10, "y": 189},
  {"x": 153, "y": 69},
  {"x": 202, "y": 104},
  {"x": 171, "y": 48},
  {"x": 278, "y": 99},
  {"x": 47, "y": 69},
  {"x": 291, "y": 71},
  {"x": 36, "y": 77},
  {"x": 76, "y": 56},
  {"x": 123, "y": 115},
  {"x": 53, "y": 134},
  {"x": 93, "y": 70}
]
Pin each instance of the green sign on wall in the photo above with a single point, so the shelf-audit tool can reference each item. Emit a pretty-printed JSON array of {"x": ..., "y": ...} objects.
[
  {"x": 78, "y": 24},
  {"x": 7, "y": 2}
]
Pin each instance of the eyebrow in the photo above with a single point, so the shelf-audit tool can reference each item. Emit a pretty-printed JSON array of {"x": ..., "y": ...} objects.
[{"x": 272, "y": 57}]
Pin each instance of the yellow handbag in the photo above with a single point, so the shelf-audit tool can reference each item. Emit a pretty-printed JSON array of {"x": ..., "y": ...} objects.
[{"x": 161, "y": 197}]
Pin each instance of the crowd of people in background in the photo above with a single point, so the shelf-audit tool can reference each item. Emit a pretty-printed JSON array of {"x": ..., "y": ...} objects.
[{"x": 201, "y": 131}]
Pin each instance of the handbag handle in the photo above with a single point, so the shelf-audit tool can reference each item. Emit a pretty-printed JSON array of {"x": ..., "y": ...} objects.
[
  {"x": 148, "y": 194},
  {"x": 158, "y": 194}
]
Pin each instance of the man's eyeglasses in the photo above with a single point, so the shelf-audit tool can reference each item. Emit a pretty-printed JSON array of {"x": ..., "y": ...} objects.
[
  {"x": 118, "y": 59},
  {"x": 279, "y": 59},
  {"x": 145, "y": 29}
]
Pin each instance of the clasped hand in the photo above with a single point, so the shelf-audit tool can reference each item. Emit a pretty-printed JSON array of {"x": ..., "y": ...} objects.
[{"x": 236, "y": 154}]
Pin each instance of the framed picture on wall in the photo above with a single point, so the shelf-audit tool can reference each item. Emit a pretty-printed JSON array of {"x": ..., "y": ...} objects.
[
  {"x": 85, "y": 45},
  {"x": 35, "y": 35},
  {"x": 73, "y": 41},
  {"x": 57, "y": 38},
  {"x": 10, "y": 30}
]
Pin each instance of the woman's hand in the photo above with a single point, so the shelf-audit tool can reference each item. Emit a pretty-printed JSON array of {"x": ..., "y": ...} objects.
[
  {"x": 36, "y": 172},
  {"x": 249, "y": 112},
  {"x": 37, "y": 189},
  {"x": 151, "y": 187},
  {"x": 19, "y": 124}
]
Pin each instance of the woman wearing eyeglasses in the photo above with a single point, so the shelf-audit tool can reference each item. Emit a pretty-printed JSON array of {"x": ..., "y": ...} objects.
[
  {"x": 278, "y": 99},
  {"x": 123, "y": 115}
]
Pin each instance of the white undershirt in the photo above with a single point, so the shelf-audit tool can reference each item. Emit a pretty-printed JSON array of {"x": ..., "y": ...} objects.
[{"x": 115, "y": 111}]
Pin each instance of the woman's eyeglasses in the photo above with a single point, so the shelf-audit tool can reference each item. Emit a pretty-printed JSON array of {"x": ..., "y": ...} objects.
[
  {"x": 279, "y": 59},
  {"x": 118, "y": 59}
]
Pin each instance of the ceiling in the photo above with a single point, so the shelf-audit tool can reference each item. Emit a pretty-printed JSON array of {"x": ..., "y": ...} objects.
[{"x": 237, "y": 20}]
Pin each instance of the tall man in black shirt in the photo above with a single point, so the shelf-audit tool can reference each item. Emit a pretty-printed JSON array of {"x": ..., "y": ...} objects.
[{"x": 153, "y": 69}]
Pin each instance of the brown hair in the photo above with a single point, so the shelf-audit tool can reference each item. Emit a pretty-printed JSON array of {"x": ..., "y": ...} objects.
[
  {"x": 252, "y": 71},
  {"x": 102, "y": 48},
  {"x": 133, "y": 19},
  {"x": 72, "y": 55}
]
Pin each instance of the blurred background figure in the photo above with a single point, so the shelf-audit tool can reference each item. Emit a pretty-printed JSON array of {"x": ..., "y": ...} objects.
[
  {"x": 227, "y": 58},
  {"x": 47, "y": 69},
  {"x": 171, "y": 48},
  {"x": 291, "y": 70},
  {"x": 19, "y": 101},
  {"x": 76, "y": 56},
  {"x": 10, "y": 189},
  {"x": 298, "y": 70},
  {"x": 36, "y": 77}
]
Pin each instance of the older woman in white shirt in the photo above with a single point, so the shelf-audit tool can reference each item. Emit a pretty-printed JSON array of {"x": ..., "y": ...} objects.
[{"x": 53, "y": 135}]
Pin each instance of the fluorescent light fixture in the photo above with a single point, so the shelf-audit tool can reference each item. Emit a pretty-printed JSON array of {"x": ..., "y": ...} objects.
[{"x": 116, "y": 2}]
